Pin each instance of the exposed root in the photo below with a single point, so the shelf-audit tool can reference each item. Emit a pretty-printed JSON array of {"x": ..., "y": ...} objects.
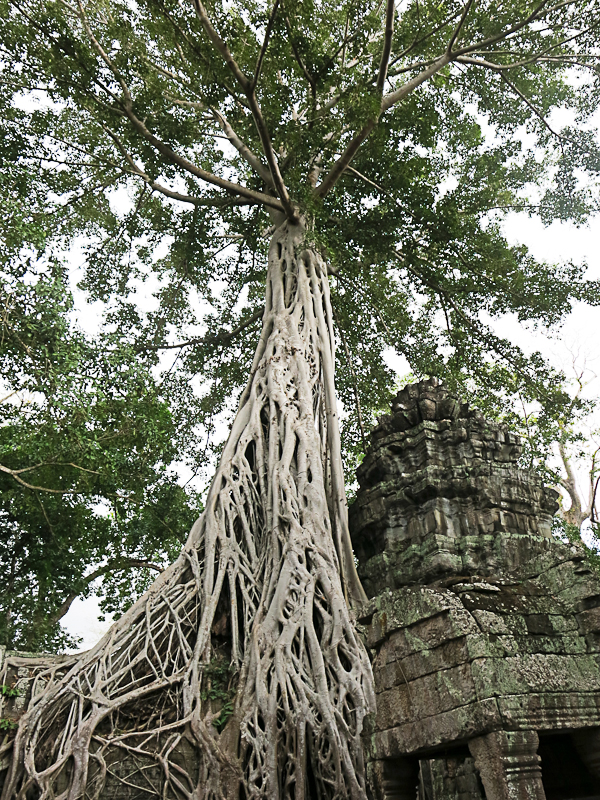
[{"x": 263, "y": 582}]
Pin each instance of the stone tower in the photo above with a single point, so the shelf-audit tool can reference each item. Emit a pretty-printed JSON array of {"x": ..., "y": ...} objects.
[{"x": 485, "y": 628}]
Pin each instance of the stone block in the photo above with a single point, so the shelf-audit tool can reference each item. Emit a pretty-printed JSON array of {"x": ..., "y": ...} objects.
[
  {"x": 589, "y": 621},
  {"x": 457, "y": 724},
  {"x": 423, "y": 662},
  {"x": 393, "y": 611},
  {"x": 550, "y": 711},
  {"x": 535, "y": 672},
  {"x": 426, "y": 696}
]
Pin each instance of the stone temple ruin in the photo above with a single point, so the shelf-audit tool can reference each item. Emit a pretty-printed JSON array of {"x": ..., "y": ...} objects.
[{"x": 484, "y": 628}]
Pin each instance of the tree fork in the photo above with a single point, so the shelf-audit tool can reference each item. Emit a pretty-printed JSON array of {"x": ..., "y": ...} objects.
[{"x": 263, "y": 582}]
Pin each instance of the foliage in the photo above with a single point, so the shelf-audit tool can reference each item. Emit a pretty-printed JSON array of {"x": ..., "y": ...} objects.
[
  {"x": 10, "y": 691},
  {"x": 219, "y": 686},
  {"x": 86, "y": 443}
]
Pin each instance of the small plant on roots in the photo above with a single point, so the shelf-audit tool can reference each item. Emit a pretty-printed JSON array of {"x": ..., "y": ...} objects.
[
  {"x": 10, "y": 691},
  {"x": 219, "y": 687}
]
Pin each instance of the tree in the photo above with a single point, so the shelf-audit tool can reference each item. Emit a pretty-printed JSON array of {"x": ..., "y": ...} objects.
[
  {"x": 86, "y": 439},
  {"x": 351, "y": 135}
]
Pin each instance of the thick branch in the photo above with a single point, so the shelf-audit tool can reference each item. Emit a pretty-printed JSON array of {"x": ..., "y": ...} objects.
[
  {"x": 249, "y": 157},
  {"x": 387, "y": 102},
  {"x": 387, "y": 44},
  {"x": 112, "y": 566},
  {"x": 407, "y": 88},
  {"x": 248, "y": 87},
  {"x": 175, "y": 158},
  {"x": 14, "y": 473},
  {"x": 504, "y": 34},
  {"x": 575, "y": 513},
  {"x": 265, "y": 44},
  {"x": 221, "y": 47},
  {"x": 164, "y": 149},
  {"x": 458, "y": 28},
  {"x": 222, "y": 337}
]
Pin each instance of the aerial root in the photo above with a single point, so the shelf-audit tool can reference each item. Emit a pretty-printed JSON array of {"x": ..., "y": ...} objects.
[{"x": 241, "y": 665}]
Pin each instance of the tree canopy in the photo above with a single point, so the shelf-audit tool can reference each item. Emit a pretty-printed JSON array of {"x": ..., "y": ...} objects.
[{"x": 163, "y": 139}]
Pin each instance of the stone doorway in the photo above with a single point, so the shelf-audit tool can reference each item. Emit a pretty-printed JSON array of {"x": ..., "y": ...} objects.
[{"x": 564, "y": 774}]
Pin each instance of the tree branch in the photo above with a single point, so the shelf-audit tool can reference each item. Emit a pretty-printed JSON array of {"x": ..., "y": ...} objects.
[
  {"x": 504, "y": 34},
  {"x": 122, "y": 563},
  {"x": 14, "y": 473},
  {"x": 188, "y": 166},
  {"x": 245, "y": 152},
  {"x": 387, "y": 44},
  {"x": 222, "y": 337},
  {"x": 461, "y": 22},
  {"x": 530, "y": 105},
  {"x": 164, "y": 149},
  {"x": 248, "y": 87},
  {"x": 311, "y": 81},
  {"x": 387, "y": 102},
  {"x": 575, "y": 514},
  {"x": 399, "y": 94},
  {"x": 265, "y": 44}
]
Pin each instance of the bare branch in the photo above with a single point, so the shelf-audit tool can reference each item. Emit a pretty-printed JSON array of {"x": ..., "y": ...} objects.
[
  {"x": 102, "y": 53},
  {"x": 461, "y": 22},
  {"x": 188, "y": 166},
  {"x": 387, "y": 44},
  {"x": 265, "y": 44},
  {"x": 164, "y": 149},
  {"x": 311, "y": 81},
  {"x": 407, "y": 88},
  {"x": 221, "y": 47},
  {"x": 574, "y": 515},
  {"x": 424, "y": 38},
  {"x": 593, "y": 501},
  {"x": 366, "y": 180},
  {"x": 14, "y": 473},
  {"x": 504, "y": 34},
  {"x": 530, "y": 105},
  {"x": 222, "y": 337},
  {"x": 387, "y": 102},
  {"x": 248, "y": 87},
  {"x": 247, "y": 154}
]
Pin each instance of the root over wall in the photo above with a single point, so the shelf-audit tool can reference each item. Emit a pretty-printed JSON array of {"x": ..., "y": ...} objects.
[{"x": 261, "y": 590}]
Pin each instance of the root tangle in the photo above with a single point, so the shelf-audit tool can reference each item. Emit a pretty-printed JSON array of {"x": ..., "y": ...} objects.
[{"x": 262, "y": 585}]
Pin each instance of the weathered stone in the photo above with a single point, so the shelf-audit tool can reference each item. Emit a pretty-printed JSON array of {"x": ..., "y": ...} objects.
[
  {"x": 485, "y": 628},
  {"x": 509, "y": 765}
]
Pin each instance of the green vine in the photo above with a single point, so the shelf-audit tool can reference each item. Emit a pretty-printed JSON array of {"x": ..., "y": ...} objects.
[
  {"x": 219, "y": 686},
  {"x": 10, "y": 691},
  {"x": 7, "y": 725}
]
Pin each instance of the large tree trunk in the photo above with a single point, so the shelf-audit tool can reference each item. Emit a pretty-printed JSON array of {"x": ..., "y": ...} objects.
[{"x": 263, "y": 583}]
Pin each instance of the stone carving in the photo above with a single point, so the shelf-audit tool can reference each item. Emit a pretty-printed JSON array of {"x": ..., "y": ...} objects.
[{"x": 485, "y": 628}]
